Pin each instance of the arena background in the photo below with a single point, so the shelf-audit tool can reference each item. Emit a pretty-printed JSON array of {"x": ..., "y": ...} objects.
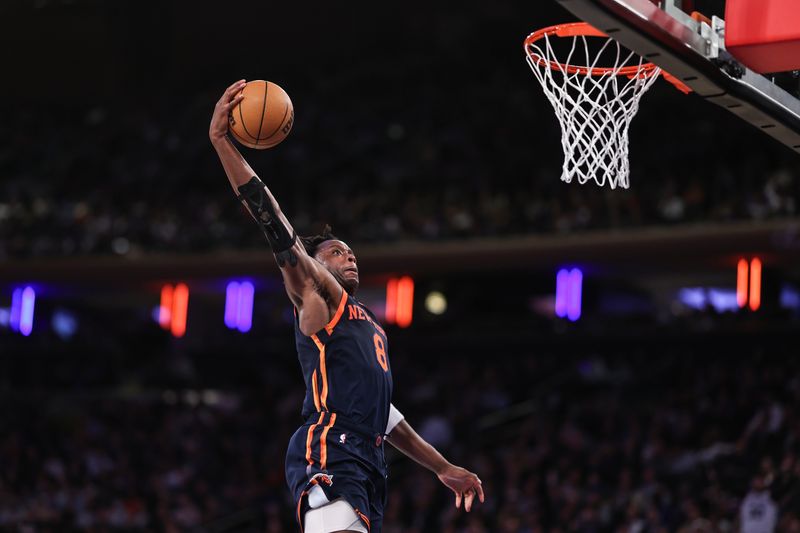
[{"x": 423, "y": 139}]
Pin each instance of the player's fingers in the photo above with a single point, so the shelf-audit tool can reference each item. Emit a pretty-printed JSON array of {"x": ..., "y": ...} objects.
[
  {"x": 227, "y": 101},
  {"x": 236, "y": 93},
  {"x": 233, "y": 91},
  {"x": 479, "y": 490},
  {"x": 234, "y": 102},
  {"x": 458, "y": 500},
  {"x": 468, "y": 500},
  {"x": 234, "y": 86}
]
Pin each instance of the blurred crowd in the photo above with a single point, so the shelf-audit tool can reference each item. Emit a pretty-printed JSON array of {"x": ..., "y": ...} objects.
[
  {"x": 668, "y": 439},
  {"x": 106, "y": 179},
  {"x": 118, "y": 428}
]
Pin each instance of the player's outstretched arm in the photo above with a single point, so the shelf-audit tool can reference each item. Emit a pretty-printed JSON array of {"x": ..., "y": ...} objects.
[
  {"x": 236, "y": 167},
  {"x": 464, "y": 484},
  {"x": 305, "y": 278}
]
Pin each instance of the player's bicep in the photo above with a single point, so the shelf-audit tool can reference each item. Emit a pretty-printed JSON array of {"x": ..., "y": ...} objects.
[
  {"x": 314, "y": 292},
  {"x": 307, "y": 278}
]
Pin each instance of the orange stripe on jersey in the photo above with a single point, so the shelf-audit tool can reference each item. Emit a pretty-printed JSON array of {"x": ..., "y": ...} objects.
[
  {"x": 323, "y": 445},
  {"x": 310, "y": 437},
  {"x": 315, "y": 389},
  {"x": 323, "y": 370},
  {"x": 318, "y": 342},
  {"x": 335, "y": 320}
]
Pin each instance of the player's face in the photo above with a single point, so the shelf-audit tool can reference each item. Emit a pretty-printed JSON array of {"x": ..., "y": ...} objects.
[{"x": 340, "y": 261}]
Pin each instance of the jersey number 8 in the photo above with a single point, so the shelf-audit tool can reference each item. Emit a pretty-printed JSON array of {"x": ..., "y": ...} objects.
[{"x": 380, "y": 352}]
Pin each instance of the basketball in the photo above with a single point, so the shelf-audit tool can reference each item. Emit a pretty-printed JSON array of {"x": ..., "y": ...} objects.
[{"x": 264, "y": 117}]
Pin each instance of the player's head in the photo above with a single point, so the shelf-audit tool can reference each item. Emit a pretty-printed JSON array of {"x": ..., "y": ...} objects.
[{"x": 337, "y": 257}]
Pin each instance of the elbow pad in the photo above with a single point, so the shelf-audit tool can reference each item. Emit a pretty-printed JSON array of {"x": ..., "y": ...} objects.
[{"x": 254, "y": 196}]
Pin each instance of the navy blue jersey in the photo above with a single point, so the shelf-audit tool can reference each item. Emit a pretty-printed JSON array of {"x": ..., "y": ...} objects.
[
  {"x": 348, "y": 391},
  {"x": 346, "y": 367}
]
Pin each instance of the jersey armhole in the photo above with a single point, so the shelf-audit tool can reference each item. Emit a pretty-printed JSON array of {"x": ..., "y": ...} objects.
[{"x": 327, "y": 330}]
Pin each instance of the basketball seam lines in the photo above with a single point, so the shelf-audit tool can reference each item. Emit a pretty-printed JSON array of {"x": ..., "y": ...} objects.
[
  {"x": 263, "y": 111},
  {"x": 242, "y": 140},
  {"x": 280, "y": 125},
  {"x": 244, "y": 125}
]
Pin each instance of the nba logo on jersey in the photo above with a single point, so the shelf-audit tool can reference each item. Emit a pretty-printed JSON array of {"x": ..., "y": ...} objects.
[{"x": 342, "y": 438}]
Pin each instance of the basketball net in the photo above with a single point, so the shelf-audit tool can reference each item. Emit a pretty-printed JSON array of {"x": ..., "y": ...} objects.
[{"x": 595, "y": 105}]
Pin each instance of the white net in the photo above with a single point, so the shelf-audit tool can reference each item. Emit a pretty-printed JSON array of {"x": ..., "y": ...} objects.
[{"x": 594, "y": 104}]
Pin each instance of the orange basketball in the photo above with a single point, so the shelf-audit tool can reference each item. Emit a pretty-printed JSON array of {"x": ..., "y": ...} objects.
[{"x": 264, "y": 117}]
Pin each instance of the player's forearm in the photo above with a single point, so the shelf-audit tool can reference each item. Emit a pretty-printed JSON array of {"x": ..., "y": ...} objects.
[
  {"x": 240, "y": 172},
  {"x": 236, "y": 166},
  {"x": 405, "y": 439}
]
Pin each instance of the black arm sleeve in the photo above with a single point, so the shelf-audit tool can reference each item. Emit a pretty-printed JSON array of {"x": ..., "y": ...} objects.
[{"x": 253, "y": 195}]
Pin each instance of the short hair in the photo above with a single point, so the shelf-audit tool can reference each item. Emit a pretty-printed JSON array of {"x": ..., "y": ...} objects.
[{"x": 311, "y": 243}]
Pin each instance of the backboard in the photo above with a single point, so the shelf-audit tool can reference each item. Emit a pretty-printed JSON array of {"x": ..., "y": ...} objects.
[{"x": 693, "y": 51}]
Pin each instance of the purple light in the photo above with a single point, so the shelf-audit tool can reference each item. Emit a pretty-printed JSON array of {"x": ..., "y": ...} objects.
[
  {"x": 231, "y": 304},
  {"x": 790, "y": 297},
  {"x": 574, "y": 294},
  {"x": 561, "y": 293},
  {"x": 244, "y": 314},
  {"x": 16, "y": 309},
  {"x": 239, "y": 305},
  {"x": 694, "y": 297},
  {"x": 23, "y": 301},
  {"x": 723, "y": 300}
]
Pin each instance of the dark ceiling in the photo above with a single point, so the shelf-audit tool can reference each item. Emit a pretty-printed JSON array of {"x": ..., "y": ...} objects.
[{"x": 81, "y": 50}]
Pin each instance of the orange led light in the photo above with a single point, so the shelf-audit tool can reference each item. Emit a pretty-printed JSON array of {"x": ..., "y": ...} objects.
[
  {"x": 741, "y": 283},
  {"x": 180, "y": 306},
  {"x": 405, "y": 301},
  {"x": 755, "y": 284}
]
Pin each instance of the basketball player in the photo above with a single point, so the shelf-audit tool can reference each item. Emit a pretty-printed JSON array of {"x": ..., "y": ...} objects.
[{"x": 335, "y": 464}]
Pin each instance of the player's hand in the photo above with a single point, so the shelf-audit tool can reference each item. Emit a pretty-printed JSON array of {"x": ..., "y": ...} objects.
[
  {"x": 219, "y": 120},
  {"x": 463, "y": 483}
]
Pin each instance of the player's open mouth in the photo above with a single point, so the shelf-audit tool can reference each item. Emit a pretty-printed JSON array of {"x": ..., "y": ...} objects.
[{"x": 351, "y": 269}]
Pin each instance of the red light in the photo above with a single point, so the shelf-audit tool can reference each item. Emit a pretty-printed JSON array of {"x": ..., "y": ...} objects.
[
  {"x": 755, "y": 284},
  {"x": 390, "y": 314},
  {"x": 165, "y": 309},
  {"x": 405, "y": 301},
  {"x": 741, "y": 283},
  {"x": 179, "y": 310}
]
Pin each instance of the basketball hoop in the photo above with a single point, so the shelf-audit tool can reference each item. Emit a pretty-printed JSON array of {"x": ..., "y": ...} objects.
[{"x": 595, "y": 105}]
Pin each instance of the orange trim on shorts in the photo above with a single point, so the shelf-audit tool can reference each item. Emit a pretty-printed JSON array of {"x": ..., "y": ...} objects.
[
  {"x": 315, "y": 389},
  {"x": 363, "y": 517},
  {"x": 323, "y": 370},
  {"x": 335, "y": 320},
  {"x": 310, "y": 437},
  {"x": 323, "y": 445},
  {"x": 299, "y": 504}
]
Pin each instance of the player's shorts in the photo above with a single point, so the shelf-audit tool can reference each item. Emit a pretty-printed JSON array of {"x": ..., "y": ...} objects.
[{"x": 344, "y": 462}]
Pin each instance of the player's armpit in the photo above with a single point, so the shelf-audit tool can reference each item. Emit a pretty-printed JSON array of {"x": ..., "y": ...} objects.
[
  {"x": 314, "y": 315},
  {"x": 320, "y": 301}
]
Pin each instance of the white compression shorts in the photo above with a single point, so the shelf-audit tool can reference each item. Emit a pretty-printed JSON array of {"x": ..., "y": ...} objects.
[{"x": 335, "y": 516}]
